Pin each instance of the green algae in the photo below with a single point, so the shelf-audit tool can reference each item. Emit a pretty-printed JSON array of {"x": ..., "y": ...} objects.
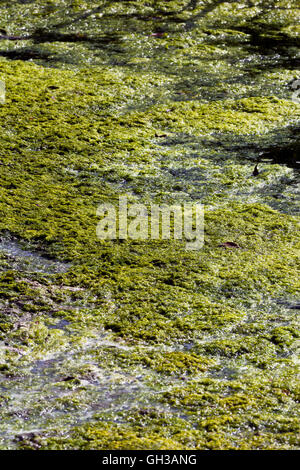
[{"x": 142, "y": 344}]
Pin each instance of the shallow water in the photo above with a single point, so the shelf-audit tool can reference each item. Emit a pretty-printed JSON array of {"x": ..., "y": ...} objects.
[{"x": 30, "y": 261}]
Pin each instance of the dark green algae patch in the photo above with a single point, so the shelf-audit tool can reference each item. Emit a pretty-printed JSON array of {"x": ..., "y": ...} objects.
[{"x": 143, "y": 344}]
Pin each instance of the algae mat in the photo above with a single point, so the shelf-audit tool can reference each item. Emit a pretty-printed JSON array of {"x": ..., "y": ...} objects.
[{"x": 142, "y": 344}]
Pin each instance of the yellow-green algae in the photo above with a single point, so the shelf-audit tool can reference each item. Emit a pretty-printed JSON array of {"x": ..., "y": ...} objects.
[{"x": 144, "y": 345}]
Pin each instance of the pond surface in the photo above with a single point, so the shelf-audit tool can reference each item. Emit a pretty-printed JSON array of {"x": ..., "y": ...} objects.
[{"x": 141, "y": 344}]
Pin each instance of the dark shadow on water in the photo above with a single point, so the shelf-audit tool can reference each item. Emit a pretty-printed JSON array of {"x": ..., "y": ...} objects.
[
  {"x": 26, "y": 53},
  {"x": 286, "y": 153},
  {"x": 279, "y": 147}
]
